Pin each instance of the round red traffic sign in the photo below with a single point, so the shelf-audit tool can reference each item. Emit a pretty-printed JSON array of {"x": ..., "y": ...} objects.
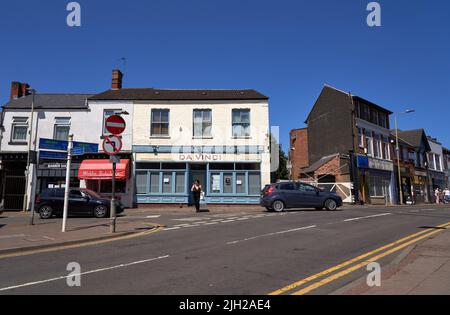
[
  {"x": 112, "y": 145},
  {"x": 115, "y": 125}
]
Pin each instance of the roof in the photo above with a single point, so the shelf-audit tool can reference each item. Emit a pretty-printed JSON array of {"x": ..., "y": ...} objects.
[
  {"x": 149, "y": 94},
  {"x": 414, "y": 137},
  {"x": 315, "y": 166},
  {"x": 355, "y": 97},
  {"x": 50, "y": 101}
]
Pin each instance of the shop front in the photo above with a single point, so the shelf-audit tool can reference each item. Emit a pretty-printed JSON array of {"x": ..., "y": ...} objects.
[
  {"x": 376, "y": 180},
  {"x": 12, "y": 180},
  {"x": 420, "y": 183},
  {"x": 96, "y": 175},
  {"x": 437, "y": 180},
  {"x": 226, "y": 178}
]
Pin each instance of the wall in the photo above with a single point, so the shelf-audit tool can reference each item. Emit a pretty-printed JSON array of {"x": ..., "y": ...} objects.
[{"x": 298, "y": 154}]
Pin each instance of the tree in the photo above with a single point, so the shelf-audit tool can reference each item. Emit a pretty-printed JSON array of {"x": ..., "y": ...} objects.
[{"x": 282, "y": 172}]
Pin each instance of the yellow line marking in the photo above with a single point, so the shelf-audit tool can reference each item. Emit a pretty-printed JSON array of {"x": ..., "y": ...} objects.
[
  {"x": 360, "y": 265},
  {"x": 84, "y": 244},
  {"x": 351, "y": 261}
]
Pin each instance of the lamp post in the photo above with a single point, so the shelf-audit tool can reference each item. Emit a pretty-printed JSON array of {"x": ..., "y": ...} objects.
[
  {"x": 30, "y": 140},
  {"x": 397, "y": 149}
]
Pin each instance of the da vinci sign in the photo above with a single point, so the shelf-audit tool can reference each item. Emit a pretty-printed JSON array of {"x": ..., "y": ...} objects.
[{"x": 200, "y": 157}]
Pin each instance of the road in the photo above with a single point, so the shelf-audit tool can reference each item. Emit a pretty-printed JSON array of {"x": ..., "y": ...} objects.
[{"x": 234, "y": 254}]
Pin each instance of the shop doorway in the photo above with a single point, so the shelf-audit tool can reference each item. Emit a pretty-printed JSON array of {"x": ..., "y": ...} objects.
[{"x": 198, "y": 172}]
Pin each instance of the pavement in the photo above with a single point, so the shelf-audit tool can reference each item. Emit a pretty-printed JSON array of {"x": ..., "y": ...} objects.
[{"x": 244, "y": 251}]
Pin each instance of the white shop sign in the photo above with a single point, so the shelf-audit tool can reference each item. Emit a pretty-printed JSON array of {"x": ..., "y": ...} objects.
[{"x": 381, "y": 165}]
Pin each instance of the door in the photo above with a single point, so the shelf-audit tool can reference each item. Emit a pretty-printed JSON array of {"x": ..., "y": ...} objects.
[
  {"x": 78, "y": 203},
  {"x": 310, "y": 196},
  {"x": 290, "y": 195}
]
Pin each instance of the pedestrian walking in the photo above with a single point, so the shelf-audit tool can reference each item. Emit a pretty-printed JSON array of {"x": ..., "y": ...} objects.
[
  {"x": 196, "y": 194},
  {"x": 447, "y": 195},
  {"x": 437, "y": 195}
]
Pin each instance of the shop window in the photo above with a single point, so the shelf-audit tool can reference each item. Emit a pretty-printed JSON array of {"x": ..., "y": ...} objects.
[
  {"x": 106, "y": 187},
  {"x": 167, "y": 183},
  {"x": 222, "y": 166},
  {"x": 241, "y": 183},
  {"x": 202, "y": 123},
  {"x": 154, "y": 182},
  {"x": 254, "y": 184},
  {"x": 19, "y": 129},
  {"x": 148, "y": 166},
  {"x": 160, "y": 123},
  {"x": 215, "y": 183},
  {"x": 241, "y": 123},
  {"x": 248, "y": 166},
  {"x": 173, "y": 166},
  {"x": 62, "y": 129},
  {"x": 141, "y": 182},
  {"x": 228, "y": 183},
  {"x": 180, "y": 183}
]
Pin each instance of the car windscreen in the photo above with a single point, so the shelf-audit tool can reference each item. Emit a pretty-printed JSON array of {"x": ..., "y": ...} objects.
[{"x": 92, "y": 194}]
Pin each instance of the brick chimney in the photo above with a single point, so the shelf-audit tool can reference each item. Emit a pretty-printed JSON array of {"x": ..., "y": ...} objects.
[
  {"x": 19, "y": 90},
  {"x": 16, "y": 90},
  {"x": 117, "y": 76}
]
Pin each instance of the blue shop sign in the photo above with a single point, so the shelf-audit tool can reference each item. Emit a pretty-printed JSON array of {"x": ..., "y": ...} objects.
[
  {"x": 52, "y": 155},
  {"x": 59, "y": 145},
  {"x": 363, "y": 161}
]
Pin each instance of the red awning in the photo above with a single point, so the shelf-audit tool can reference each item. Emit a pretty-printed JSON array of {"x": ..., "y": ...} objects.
[{"x": 103, "y": 170}]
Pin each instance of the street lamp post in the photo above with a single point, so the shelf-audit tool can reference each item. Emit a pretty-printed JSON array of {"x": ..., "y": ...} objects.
[
  {"x": 397, "y": 149},
  {"x": 30, "y": 140}
]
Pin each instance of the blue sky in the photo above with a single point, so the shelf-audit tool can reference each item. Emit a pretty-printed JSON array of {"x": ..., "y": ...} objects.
[{"x": 285, "y": 49}]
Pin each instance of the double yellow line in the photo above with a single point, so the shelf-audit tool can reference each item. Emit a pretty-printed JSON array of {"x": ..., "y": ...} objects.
[{"x": 362, "y": 261}]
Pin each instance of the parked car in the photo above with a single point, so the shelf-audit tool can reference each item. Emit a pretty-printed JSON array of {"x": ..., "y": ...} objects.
[
  {"x": 281, "y": 196},
  {"x": 82, "y": 202}
]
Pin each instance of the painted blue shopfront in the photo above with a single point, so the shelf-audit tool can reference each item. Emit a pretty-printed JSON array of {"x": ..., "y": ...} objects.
[{"x": 223, "y": 183}]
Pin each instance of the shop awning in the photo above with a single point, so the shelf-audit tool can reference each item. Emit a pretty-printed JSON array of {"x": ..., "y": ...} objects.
[{"x": 103, "y": 170}]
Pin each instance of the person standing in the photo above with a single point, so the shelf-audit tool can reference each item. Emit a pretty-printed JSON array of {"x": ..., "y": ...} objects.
[
  {"x": 437, "y": 195},
  {"x": 196, "y": 194},
  {"x": 447, "y": 195}
]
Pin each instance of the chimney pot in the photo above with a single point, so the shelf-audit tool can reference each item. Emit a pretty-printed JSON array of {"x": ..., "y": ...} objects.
[
  {"x": 117, "y": 77},
  {"x": 16, "y": 90}
]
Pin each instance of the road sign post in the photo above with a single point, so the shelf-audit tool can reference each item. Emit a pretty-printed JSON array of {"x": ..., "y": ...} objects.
[
  {"x": 113, "y": 200},
  {"x": 67, "y": 188}
]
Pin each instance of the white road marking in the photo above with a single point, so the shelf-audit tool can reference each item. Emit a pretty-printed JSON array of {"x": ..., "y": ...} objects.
[
  {"x": 84, "y": 273},
  {"x": 228, "y": 221},
  {"x": 173, "y": 228},
  {"x": 153, "y": 216},
  {"x": 272, "y": 234},
  {"x": 368, "y": 217}
]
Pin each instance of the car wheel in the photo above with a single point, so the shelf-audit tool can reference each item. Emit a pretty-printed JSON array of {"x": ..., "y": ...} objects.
[
  {"x": 278, "y": 206},
  {"x": 45, "y": 212},
  {"x": 330, "y": 205},
  {"x": 100, "y": 212}
]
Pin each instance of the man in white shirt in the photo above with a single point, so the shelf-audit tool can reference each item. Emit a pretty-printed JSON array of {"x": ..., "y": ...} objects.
[{"x": 447, "y": 195}]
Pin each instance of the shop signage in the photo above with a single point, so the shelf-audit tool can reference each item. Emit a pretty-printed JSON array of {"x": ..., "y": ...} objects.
[
  {"x": 381, "y": 165},
  {"x": 363, "y": 161},
  {"x": 52, "y": 155},
  {"x": 60, "y": 145},
  {"x": 200, "y": 157},
  {"x": 419, "y": 173}
]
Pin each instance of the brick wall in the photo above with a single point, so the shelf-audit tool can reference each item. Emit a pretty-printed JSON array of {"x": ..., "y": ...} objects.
[{"x": 298, "y": 152}]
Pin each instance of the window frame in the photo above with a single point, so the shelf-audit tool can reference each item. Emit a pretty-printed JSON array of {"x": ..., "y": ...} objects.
[
  {"x": 203, "y": 122},
  {"x": 160, "y": 110},
  {"x": 19, "y": 122},
  {"x": 60, "y": 123},
  {"x": 244, "y": 125}
]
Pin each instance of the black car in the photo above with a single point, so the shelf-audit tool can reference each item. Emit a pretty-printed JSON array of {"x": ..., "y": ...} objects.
[
  {"x": 82, "y": 202},
  {"x": 281, "y": 196}
]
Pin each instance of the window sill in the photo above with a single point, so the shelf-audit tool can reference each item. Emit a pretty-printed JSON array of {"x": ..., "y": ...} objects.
[
  {"x": 17, "y": 143},
  {"x": 245, "y": 138},
  {"x": 202, "y": 138},
  {"x": 159, "y": 137}
]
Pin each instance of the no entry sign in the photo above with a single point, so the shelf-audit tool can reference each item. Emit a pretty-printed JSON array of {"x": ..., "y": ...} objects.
[
  {"x": 115, "y": 125},
  {"x": 112, "y": 145}
]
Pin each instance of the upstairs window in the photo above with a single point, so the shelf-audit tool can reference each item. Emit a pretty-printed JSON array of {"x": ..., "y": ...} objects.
[
  {"x": 202, "y": 123},
  {"x": 382, "y": 120},
  {"x": 62, "y": 129},
  {"x": 160, "y": 123},
  {"x": 241, "y": 123},
  {"x": 19, "y": 129}
]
